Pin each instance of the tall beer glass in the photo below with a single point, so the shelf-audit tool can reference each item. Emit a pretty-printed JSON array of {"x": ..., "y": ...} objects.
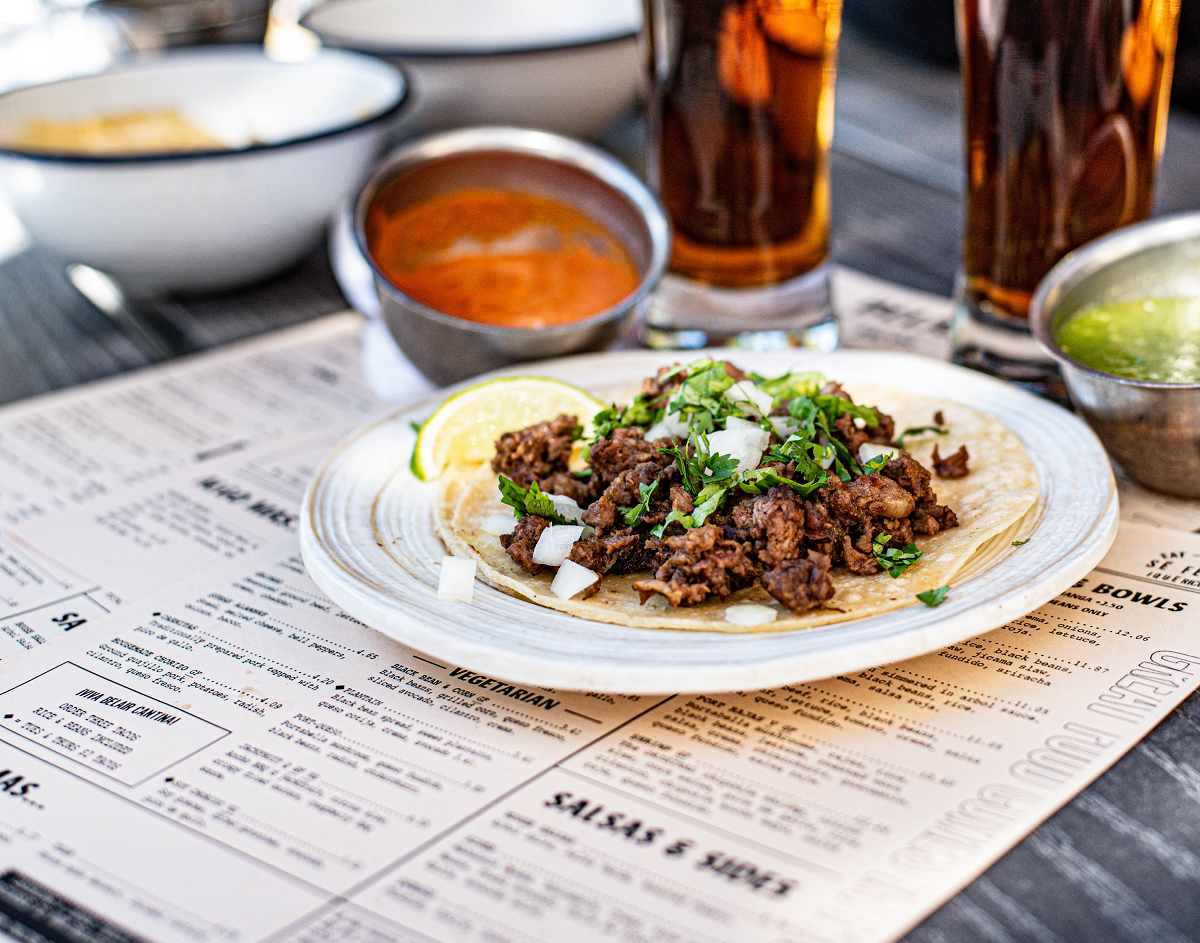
[
  {"x": 1065, "y": 105},
  {"x": 740, "y": 121}
]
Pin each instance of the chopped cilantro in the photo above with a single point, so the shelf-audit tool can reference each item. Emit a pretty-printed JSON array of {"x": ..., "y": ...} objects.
[
  {"x": 835, "y": 406},
  {"x": 790, "y": 385},
  {"x": 808, "y": 456},
  {"x": 583, "y": 473},
  {"x": 919, "y": 430},
  {"x": 641, "y": 412},
  {"x": 689, "y": 470},
  {"x": 844, "y": 464},
  {"x": 700, "y": 401},
  {"x": 720, "y": 466},
  {"x": 934, "y": 597},
  {"x": 758, "y": 480},
  {"x": 698, "y": 466},
  {"x": 1021, "y": 543},
  {"x": 877, "y": 464},
  {"x": 531, "y": 500},
  {"x": 675, "y": 517},
  {"x": 633, "y": 514},
  {"x": 816, "y": 416},
  {"x": 894, "y": 559},
  {"x": 710, "y": 500}
]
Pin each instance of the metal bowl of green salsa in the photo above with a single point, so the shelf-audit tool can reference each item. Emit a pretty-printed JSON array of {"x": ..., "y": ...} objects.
[{"x": 1121, "y": 315}]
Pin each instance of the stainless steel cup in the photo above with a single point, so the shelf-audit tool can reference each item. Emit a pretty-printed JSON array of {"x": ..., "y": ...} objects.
[
  {"x": 1151, "y": 429},
  {"x": 448, "y": 349}
]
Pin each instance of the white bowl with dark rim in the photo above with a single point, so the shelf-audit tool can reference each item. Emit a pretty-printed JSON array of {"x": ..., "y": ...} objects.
[
  {"x": 569, "y": 66},
  {"x": 446, "y": 348},
  {"x": 301, "y": 138},
  {"x": 1152, "y": 429}
]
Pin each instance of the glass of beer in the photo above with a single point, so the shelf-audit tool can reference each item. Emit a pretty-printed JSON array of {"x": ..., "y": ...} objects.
[
  {"x": 1065, "y": 106},
  {"x": 740, "y": 120}
]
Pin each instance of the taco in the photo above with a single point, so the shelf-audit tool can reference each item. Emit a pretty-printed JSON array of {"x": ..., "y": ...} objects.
[{"x": 713, "y": 488}]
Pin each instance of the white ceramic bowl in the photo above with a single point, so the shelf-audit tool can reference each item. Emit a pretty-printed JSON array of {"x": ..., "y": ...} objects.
[
  {"x": 570, "y": 66},
  {"x": 302, "y": 137}
]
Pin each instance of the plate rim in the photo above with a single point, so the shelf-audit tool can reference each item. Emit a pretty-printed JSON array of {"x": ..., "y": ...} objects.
[{"x": 349, "y": 590}]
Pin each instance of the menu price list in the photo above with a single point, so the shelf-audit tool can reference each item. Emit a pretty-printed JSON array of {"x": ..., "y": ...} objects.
[
  {"x": 66, "y": 450},
  {"x": 431, "y": 799}
]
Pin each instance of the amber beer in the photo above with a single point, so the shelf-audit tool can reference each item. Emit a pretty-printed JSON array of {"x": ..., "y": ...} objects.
[
  {"x": 741, "y": 118},
  {"x": 1066, "y": 111}
]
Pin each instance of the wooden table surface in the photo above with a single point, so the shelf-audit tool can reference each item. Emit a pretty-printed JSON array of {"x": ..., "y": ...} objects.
[{"x": 1119, "y": 863}]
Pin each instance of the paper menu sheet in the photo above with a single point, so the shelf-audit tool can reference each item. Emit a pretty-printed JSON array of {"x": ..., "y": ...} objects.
[
  {"x": 285, "y": 753},
  {"x": 135, "y": 541},
  {"x": 70, "y": 451},
  {"x": 63, "y": 450}
]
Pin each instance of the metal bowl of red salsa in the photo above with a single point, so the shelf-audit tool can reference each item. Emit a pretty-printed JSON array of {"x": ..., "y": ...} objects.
[{"x": 492, "y": 246}]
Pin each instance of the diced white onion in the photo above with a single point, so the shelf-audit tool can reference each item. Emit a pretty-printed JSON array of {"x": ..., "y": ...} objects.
[
  {"x": 750, "y": 614},
  {"x": 760, "y": 401},
  {"x": 457, "y": 580},
  {"x": 566, "y": 507},
  {"x": 743, "y": 441},
  {"x": 869, "y": 450},
  {"x": 786, "y": 426},
  {"x": 572, "y": 578},
  {"x": 671, "y": 424},
  {"x": 555, "y": 543},
  {"x": 666, "y": 427},
  {"x": 750, "y": 429},
  {"x": 500, "y": 523}
]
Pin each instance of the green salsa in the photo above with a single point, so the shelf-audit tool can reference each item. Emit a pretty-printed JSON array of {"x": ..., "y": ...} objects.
[{"x": 1153, "y": 339}]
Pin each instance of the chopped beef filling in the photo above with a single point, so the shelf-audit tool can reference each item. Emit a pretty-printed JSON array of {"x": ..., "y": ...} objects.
[
  {"x": 701, "y": 562},
  {"x": 621, "y": 551},
  {"x": 953, "y": 466},
  {"x": 800, "y": 585},
  {"x": 537, "y": 451},
  {"x": 659, "y": 385},
  {"x": 788, "y": 540},
  {"x": 869, "y": 497},
  {"x": 774, "y": 522},
  {"x": 523, "y": 539},
  {"x": 623, "y": 449},
  {"x": 625, "y": 492},
  {"x": 580, "y": 490},
  {"x": 737, "y": 373}
]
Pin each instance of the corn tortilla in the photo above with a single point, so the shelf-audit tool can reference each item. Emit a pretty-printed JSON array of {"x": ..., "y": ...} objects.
[{"x": 1000, "y": 489}]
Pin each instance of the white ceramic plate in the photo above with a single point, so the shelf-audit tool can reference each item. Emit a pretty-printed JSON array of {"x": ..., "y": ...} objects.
[{"x": 368, "y": 540}]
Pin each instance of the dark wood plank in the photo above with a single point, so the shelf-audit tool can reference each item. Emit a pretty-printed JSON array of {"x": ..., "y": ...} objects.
[{"x": 52, "y": 337}]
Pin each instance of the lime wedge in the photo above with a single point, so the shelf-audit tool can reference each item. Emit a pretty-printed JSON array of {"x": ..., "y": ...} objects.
[{"x": 464, "y": 429}]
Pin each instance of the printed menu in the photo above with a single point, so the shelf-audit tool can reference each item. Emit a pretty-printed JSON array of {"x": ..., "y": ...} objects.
[
  {"x": 196, "y": 744},
  {"x": 68, "y": 451},
  {"x": 239, "y": 739}
]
